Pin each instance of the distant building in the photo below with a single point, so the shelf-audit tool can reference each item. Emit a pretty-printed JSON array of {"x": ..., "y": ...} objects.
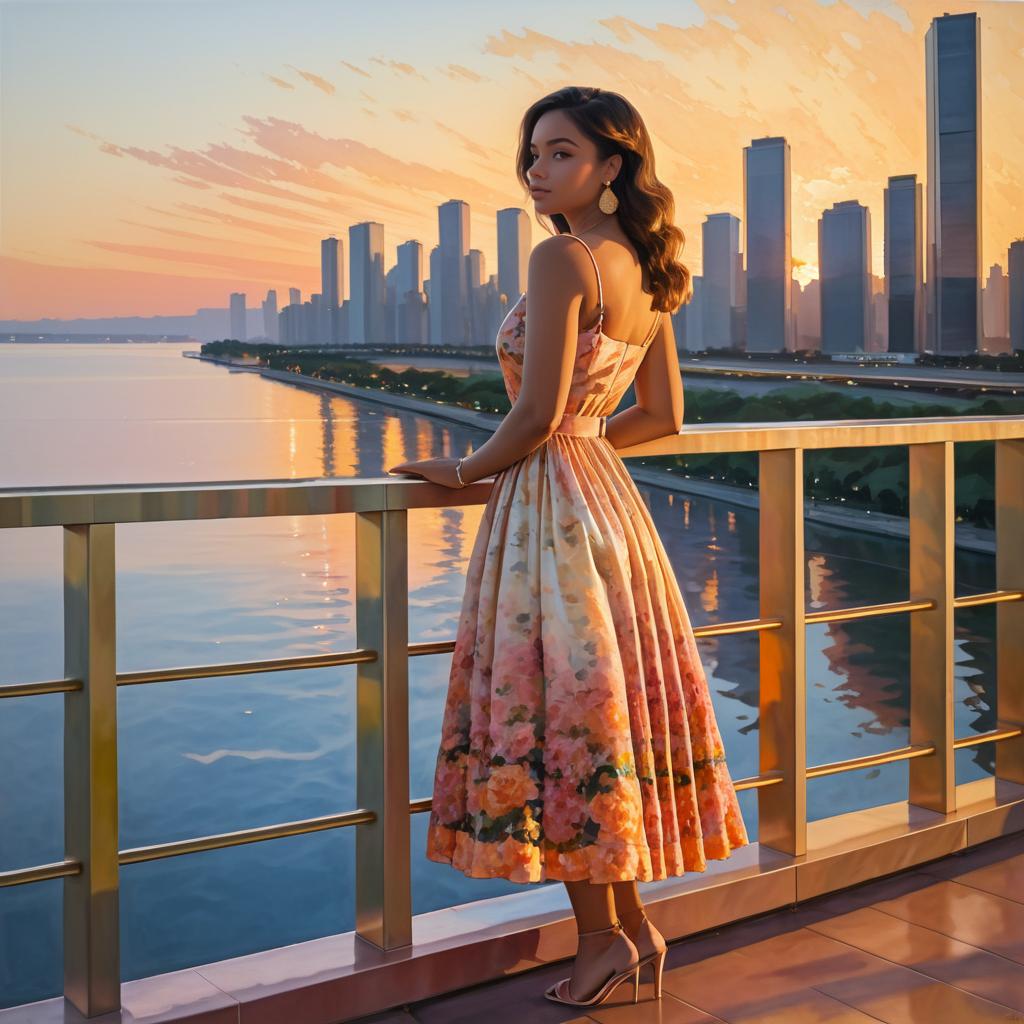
[
  {"x": 807, "y": 316},
  {"x": 513, "y": 253},
  {"x": 768, "y": 249},
  {"x": 692, "y": 334},
  {"x": 904, "y": 281},
  {"x": 294, "y": 296},
  {"x": 237, "y": 308},
  {"x": 953, "y": 98},
  {"x": 410, "y": 302},
  {"x": 844, "y": 248},
  {"x": 332, "y": 261},
  {"x": 451, "y": 288},
  {"x": 722, "y": 293},
  {"x": 270, "y": 325},
  {"x": 1015, "y": 265},
  {"x": 994, "y": 304},
  {"x": 367, "y": 307}
]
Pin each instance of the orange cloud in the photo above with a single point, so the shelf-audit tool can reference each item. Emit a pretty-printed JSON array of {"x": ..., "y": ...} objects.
[
  {"x": 357, "y": 70},
  {"x": 321, "y": 83},
  {"x": 399, "y": 66}
]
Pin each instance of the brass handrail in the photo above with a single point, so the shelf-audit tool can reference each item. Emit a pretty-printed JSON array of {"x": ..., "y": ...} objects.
[{"x": 89, "y": 516}]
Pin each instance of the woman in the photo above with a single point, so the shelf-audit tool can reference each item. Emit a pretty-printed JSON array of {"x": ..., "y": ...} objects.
[{"x": 579, "y": 742}]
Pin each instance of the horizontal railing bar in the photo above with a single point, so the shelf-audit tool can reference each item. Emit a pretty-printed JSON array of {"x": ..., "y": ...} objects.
[
  {"x": 40, "y": 873},
  {"x": 138, "y": 854},
  {"x": 866, "y": 611},
  {"x": 241, "y": 668},
  {"x": 989, "y": 597},
  {"x": 423, "y": 647},
  {"x": 759, "y": 781},
  {"x": 35, "y": 689},
  {"x": 993, "y": 736},
  {"x": 869, "y": 760},
  {"x": 737, "y": 626},
  {"x": 245, "y": 499}
]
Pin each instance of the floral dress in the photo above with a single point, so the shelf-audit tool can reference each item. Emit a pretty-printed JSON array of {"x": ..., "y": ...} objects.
[{"x": 579, "y": 739}]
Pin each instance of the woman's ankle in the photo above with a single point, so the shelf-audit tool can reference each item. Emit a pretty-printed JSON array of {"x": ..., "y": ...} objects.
[{"x": 632, "y": 919}]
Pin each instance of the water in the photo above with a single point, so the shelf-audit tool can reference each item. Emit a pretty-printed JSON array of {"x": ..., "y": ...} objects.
[{"x": 216, "y": 755}]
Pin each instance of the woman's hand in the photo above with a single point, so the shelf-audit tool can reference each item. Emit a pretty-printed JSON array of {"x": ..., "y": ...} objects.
[{"x": 437, "y": 471}]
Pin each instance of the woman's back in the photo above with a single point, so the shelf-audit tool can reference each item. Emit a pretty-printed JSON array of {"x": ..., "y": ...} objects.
[{"x": 620, "y": 281}]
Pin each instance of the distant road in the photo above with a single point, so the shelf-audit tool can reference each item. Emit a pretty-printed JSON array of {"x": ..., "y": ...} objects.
[{"x": 916, "y": 376}]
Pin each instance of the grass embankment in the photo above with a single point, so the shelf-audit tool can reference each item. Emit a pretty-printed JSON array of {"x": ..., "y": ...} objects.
[{"x": 865, "y": 478}]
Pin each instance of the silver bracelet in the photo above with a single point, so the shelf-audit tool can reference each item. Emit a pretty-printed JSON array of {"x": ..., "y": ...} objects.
[{"x": 458, "y": 471}]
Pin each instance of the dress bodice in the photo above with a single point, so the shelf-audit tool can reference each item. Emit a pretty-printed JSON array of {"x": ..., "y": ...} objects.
[{"x": 603, "y": 369}]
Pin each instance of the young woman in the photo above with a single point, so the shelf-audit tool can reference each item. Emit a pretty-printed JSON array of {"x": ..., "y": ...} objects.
[{"x": 579, "y": 741}]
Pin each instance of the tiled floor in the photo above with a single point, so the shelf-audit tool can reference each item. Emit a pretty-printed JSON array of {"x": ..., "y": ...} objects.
[{"x": 943, "y": 944}]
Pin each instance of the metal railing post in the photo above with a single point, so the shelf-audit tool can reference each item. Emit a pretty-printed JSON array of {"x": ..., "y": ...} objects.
[
  {"x": 1009, "y": 493},
  {"x": 92, "y": 979},
  {"x": 383, "y": 880},
  {"x": 932, "y": 519},
  {"x": 782, "y": 809}
]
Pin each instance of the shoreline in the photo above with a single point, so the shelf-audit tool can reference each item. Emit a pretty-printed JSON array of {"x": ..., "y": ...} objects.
[{"x": 967, "y": 536}]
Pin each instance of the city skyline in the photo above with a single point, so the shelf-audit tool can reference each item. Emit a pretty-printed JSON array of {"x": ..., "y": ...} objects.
[{"x": 109, "y": 227}]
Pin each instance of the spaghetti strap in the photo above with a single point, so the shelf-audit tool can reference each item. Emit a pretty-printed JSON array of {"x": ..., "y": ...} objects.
[
  {"x": 654, "y": 329},
  {"x": 600, "y": 293}
]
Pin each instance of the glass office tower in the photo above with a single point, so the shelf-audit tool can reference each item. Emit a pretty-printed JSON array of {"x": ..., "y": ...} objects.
[
  {"x": 953, "y": 95},
  {"x": 767, "y": 217}
]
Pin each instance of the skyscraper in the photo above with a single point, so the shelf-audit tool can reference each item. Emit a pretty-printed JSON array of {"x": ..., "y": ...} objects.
[
  {"x": 767, "y": 220},
  {"x": 270, "y": 328},
  {"x": 410, "y": 306},
  {"x": 844, "y": 249},
  {"x": 327, "y": 326},
  {"x": 329, "y": 264},
  {"x": 693, "y": 332},
  {"x": 904, "y": 285},
  {"x": 294, "y": 297},
  {"x": 1015, "y": 273},
  {"x": 994, "y": 304},
  {"x": 368, "y": 294},
  {"x": 238, "y": 331},
  {"x": 513, "y": 252},
  {"x": 720, "y": 242},
  {"x": 953, "y": 96},
  {"x": 452, "y": 290}
]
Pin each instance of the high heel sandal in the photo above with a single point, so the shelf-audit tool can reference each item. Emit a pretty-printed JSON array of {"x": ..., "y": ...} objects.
[
  {"x": 559, "y": 992},
  {"x": 656, "y": 960}
]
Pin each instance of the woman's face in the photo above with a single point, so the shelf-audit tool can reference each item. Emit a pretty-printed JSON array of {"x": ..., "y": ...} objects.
[{"x": 565, "y": 175}]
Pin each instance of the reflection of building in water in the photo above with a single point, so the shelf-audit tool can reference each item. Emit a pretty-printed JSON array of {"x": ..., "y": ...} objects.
[
  {"x": 856, "y": 652},
  {"x": 327, "y": 433}
]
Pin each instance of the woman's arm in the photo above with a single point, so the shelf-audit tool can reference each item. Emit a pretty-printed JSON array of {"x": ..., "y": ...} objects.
[
  {"x": 659, "y": 394},
  {"x": 556, "y": 283}
]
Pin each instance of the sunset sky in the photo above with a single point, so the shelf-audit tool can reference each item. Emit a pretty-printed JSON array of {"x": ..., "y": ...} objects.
[{"x": 158, "y": 155}]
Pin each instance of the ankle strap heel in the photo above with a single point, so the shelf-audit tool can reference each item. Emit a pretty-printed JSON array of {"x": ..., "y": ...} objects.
[{"x": 617, "y": 927}]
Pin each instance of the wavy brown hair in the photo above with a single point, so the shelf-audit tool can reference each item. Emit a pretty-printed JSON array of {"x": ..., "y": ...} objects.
[{"x": 646, "y": 207}]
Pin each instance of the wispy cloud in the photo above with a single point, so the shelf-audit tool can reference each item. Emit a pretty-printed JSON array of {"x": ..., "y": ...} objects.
[
  {"x": 321, "y": 83},
  {"x": 280, "y": 82},
  {"x": 458, "y": 72},
  {"x": 399, "y": 66},
  {"x": 357, "y": 70}
]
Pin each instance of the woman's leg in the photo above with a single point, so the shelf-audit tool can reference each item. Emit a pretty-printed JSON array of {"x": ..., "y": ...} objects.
[
  {"x": 594, "y": 907},
  {"x": 628, "y": 906}
]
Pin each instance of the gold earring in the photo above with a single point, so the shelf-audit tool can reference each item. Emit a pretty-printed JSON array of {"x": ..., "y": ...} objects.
[{"x": 609, "y": 201}]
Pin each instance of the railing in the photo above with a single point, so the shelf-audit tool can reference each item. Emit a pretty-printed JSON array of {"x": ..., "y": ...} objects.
[{"x": 89, "y": 517}]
